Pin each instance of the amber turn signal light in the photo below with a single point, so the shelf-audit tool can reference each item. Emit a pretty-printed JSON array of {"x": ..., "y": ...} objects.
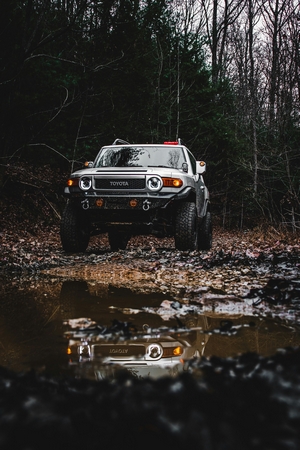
[
  {"x": 172, "y": 351},
  {"x": 172, "y": 182},
  {"x": 177, "y": 351},
  {"x": 99, "y": 202},
  {"x": 72, "y": 182}
]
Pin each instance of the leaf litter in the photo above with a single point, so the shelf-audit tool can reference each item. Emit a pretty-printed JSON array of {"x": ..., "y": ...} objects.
[
  {"x": 248, "y": 401},
  {"x": 245, "y": 401}
]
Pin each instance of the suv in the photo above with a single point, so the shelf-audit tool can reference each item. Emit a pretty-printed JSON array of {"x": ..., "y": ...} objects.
[
  {"x": 143, "y": 355},
  {"x": 133, "y": 189}
]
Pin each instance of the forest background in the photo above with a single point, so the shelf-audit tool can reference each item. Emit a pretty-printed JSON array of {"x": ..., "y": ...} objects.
[{"x": 222, "y": 75}]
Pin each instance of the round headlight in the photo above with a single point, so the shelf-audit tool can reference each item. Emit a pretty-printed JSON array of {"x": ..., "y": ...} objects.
[
  {"x": 154, "y": 183},
  {"x": 154, "y": 351},
  {"x": 85, "y": 183},
  {"x": 84, "y": 350}
]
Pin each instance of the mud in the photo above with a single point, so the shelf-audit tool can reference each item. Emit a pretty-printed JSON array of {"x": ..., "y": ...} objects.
[{"x": 236, "y": 307}]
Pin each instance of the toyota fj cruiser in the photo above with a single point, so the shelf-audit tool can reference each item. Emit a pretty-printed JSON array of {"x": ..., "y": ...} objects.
[{"x": 133, "y": 189}]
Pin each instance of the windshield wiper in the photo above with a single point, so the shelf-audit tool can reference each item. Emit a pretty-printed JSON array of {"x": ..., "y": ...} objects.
[{"x": 160, "y": 165}]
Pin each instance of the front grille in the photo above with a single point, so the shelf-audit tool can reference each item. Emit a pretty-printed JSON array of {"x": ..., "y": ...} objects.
[{"x": 126, "y": 183}]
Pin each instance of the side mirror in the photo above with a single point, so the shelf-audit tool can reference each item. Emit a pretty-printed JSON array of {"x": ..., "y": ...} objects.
[
  {"x": 185, "y": 167},
  {"x": 88, "y": 164},
  {"x": 201, "y": 167}
]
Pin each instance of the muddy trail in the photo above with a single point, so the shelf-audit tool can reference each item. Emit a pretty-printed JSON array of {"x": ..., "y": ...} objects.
[
  {"x": 252, "y": 270},
  {"x": 232, "y": 314}
]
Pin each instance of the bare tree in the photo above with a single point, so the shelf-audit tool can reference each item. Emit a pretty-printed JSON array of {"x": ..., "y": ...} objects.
[{"x": 220, "y": 16}]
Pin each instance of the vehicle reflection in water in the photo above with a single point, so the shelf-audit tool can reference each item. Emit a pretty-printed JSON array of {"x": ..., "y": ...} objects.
[
  {"x": 33, "y": 313},
  {"x": 154, "y": 354},
  {"x": 96, "y": 351}
]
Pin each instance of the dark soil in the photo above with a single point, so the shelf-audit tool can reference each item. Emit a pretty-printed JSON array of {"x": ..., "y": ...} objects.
[{"x": 248, "y": 402}]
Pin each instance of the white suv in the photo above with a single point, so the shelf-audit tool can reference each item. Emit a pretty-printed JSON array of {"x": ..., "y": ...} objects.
[{"x": 135, "y": 189}]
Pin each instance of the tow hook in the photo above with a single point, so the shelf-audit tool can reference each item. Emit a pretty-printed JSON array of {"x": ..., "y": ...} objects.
[
  {"x": 85, "y": 204},
  {"x": 146, "y": 205}
]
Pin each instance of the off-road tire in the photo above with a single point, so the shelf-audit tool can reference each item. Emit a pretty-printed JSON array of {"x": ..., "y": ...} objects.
[
  {"x": 118, "y": 240},
  {"x": 205, "y": 233},
  {"x": 186, "y": 227},
  {"x": 74, "y": 230}
]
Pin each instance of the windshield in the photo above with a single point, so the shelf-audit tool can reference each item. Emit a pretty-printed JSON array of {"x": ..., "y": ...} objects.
[{"x": 141, "y": 157}]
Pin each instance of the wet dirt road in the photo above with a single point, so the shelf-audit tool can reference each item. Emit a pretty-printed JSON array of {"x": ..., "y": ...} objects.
[
  {"x": 223, "y": 303},
  {"x": 226, "y": 322}
]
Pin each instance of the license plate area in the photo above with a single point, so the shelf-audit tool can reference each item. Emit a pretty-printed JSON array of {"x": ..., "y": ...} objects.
[{"x": 118, "y": 351}]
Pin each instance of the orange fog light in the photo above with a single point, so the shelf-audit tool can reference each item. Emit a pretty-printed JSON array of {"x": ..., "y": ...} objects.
[
  {"x": 99, "y": 202},
  {"x": 133, "y": 203},
  {"x": 172, "y": 182}
]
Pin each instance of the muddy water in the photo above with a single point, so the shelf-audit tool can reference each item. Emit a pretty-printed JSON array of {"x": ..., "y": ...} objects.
[{"x": 92, "y": 321}]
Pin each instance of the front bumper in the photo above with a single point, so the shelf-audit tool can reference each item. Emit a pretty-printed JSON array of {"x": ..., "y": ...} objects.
[{"x": 120, "y": 200}]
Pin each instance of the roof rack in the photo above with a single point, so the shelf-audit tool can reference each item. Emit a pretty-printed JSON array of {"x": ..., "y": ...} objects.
[{"x": 120, "y": 141}]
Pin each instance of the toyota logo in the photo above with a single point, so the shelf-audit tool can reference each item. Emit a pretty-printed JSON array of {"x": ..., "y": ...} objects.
[{"x": 119, "y": 183}]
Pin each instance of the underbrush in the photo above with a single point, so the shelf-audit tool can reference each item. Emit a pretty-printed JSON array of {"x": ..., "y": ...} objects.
[{"x": 32, "y": 201}]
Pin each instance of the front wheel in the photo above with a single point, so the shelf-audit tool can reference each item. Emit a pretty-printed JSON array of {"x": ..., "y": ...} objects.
[
  {"x": 205, "y": 233},
  {"x": 74, "y": 230},
  {"x": 186, "y": 227}
]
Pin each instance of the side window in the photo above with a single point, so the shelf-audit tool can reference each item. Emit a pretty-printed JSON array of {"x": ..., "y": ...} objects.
[{"x": 193, "y": 163}]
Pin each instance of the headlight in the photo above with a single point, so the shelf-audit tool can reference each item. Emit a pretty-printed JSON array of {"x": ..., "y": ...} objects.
[
  {"x": 154, "y": 351},
  {"x": 154, "y": 184},
  {"x": 84, "y": 350},
  {"x": 85, "y": 183}
]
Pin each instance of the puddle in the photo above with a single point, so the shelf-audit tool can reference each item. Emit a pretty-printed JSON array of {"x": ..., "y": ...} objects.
[
  {"x": 95, "y": 353},
  {"x": 95, "y": 329}
]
